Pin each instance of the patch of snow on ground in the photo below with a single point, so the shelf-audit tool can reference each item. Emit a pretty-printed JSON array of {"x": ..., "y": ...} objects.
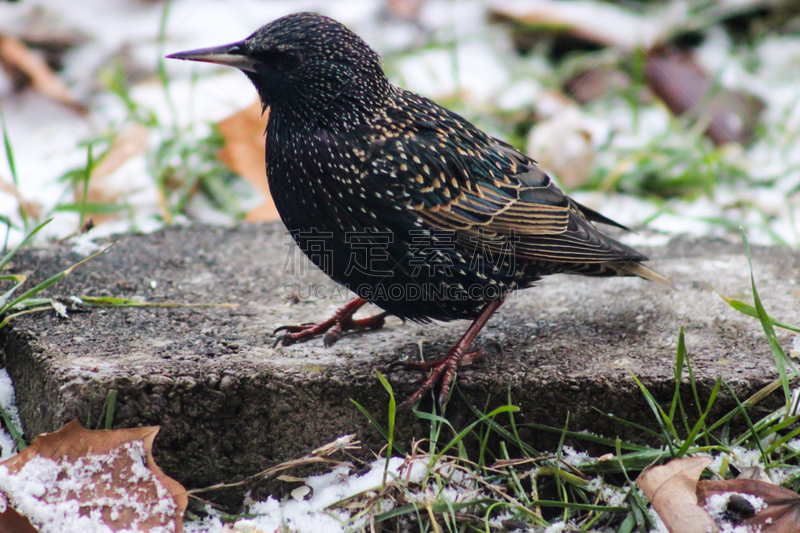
[
  {"x": 717, "y": 505},
  {"x": 613, "y": 496},
  {"x": 313, "y": 515},
  {"x": 9, "y": 405},
  {"x": 573, "y": 457},
  {"x": 316, "y": 514},
  {"x": 658, "y": 524},
  {"x": 739, "y": 457},
  {"x": 779, "y": 475},
  {"x": 556, "y": 527},
  {"x": 209, "y": 524}
]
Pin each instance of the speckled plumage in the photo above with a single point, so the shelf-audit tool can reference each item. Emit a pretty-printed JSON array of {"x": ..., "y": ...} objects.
[
  {"x": 356, "y": 159},
  {"x": 349, "y": 152}
]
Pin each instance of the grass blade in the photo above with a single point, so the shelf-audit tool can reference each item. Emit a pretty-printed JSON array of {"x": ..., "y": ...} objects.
[
  {"x": 111, "y": 403},
  {"x": 392, "y": 412},
  {"x": 377, "y": 425},
  {"x": 52, "y": 280},
  {"x": 12, "y": 166},
  {"x": 777, "y": 351},
  {"x": 661, "y": 417},
  {"x": 86, "y": 176},
  {"x": 13, "y": 430},
  {"x": 751, "y": 311},
  {"x": 465, "y": 431},
  {"x": 7, "y": 258}
]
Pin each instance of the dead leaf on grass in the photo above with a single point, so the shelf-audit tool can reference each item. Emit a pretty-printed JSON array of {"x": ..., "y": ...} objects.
[
  {"x": 782, "y": 514},
  {"x": 590, "y": 84},
  {"x": 243, "y": 153},
  {"x": 108, "y": 475},
  {"x": 15, "y": 55},
  {"x": 30, "y": 207},
  {"x": 405, "y": 9},
  {"x": 672, "y": 490},
  {"x": 103, "y": 189},
  {"x": 131, "y": 142},
  {"x": 11, "y": 520},
  {"x": 686, "y": 88}
]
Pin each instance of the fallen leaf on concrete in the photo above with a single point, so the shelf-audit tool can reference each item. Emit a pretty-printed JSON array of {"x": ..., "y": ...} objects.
[
  {"x": 243, "y": 153},
  {"x": 687, "y": 88},
  {"x": 780, "y": 512},
  {"x": 672, "y": 490},
  {"x": 73, "y": 478},
  {"x": 14, "y": 55}
]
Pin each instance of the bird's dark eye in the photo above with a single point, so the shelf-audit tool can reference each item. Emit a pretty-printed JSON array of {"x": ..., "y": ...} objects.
[
  {"x": 288, "y": 60},
  {"x": 282, "y": 61}
]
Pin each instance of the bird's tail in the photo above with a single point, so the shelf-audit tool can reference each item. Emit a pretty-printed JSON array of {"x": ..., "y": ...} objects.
[{"x": 638, "y": 269}]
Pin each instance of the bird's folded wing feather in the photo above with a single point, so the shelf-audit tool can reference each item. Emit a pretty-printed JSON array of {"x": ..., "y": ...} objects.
[{"x": 455, "y": 177}]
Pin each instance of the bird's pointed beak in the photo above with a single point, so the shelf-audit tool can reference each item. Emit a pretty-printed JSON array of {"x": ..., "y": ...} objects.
[{"x": 228, "y": 54}]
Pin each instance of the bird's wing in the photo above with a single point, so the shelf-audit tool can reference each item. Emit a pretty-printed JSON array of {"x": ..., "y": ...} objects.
[{"x": 455, "y": 177}]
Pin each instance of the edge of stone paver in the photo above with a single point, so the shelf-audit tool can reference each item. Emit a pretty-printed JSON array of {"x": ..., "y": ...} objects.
[{"x": 218, "y": 425}]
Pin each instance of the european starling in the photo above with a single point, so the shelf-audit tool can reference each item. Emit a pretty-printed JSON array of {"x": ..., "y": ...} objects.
[{"x": 419, "y": 212}]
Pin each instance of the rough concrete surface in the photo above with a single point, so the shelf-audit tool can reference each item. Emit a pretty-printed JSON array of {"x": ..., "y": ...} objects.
[{"x": 230, "y": 405}]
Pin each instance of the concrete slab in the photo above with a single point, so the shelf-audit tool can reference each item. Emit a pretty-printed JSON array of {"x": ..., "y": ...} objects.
[{"x": 230, "y": 405}]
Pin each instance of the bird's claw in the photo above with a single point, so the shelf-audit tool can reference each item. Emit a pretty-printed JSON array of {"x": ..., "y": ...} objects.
[
  {"x": 292, "y": 328},
  {"x": 294, "y": 333},
  {"x": 444, "y": 369},
  {"x": 297, "y": 333},
  {"x": 332, "y": 329},
  {"x": 332, "y": 335}
]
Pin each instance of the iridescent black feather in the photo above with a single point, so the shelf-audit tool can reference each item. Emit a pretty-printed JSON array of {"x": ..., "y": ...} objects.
[{"x": 403, "y": 187}]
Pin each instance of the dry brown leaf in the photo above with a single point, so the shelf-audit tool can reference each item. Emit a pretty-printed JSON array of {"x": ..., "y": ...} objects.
[
  {"x": 15, "y": 55},
  {"x": 103, "y": 471},
  {"x": 754, "y": 472},
  {"x": 782, "y": 514},
  {"x": 11, "y": 520},
  {"x": 243, "y": 153},
  {"x": 672, "y": 490},
  {"x": 131, "y": 142},
  {"x": 404, "y": 9},
  {"x": 30, "y": 207},
  {"x": 686, "y": 88},
  {"x": 592, "y": 83}
]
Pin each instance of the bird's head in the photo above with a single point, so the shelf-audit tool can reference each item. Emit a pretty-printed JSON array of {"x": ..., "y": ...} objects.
[{"x": 306, "y": 64}]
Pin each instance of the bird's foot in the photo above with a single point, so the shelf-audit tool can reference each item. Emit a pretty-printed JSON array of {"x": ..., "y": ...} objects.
[
  {"x": 331, "y": 329},
  {"x": 444, "y": 369}
]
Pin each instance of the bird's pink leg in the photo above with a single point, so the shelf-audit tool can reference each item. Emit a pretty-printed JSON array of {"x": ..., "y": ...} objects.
[
  {"x": 333, "y": 328},
  {"x": 445, "y": 368}
]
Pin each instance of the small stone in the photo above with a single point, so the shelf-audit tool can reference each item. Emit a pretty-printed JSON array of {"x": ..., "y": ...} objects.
[{"x": 301, "y": 493}]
